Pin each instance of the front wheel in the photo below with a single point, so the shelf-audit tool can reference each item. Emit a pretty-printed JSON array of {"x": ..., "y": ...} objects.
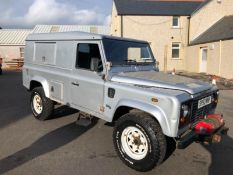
[
  {"x": 139, "y": 141},
  {"x": 41, "y": 106}
]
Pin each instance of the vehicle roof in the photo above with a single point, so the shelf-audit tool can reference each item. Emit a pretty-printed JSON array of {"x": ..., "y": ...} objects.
[{"x": 67, "y": 36}]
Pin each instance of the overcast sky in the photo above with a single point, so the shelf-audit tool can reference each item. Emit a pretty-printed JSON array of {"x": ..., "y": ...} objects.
[{"x": 27, "y": 13}]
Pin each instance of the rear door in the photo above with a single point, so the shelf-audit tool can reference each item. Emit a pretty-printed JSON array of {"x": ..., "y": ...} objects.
[{"x": 87, "y": 84}]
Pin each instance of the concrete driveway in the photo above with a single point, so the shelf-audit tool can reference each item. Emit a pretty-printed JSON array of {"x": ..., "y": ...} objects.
[{"x": 58, "y": 146}]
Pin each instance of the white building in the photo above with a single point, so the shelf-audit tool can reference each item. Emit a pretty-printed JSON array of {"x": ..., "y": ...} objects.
[{"x": 12, "y": 43}]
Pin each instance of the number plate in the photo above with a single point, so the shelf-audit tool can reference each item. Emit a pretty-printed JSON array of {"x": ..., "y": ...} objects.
[{"x": 204, "y": 102}]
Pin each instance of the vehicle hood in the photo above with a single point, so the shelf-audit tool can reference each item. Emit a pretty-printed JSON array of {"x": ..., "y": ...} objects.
[{"x": 162, "y": 80}]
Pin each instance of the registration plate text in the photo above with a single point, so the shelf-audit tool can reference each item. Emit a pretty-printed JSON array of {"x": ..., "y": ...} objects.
[{"x": 204, "y": 102}]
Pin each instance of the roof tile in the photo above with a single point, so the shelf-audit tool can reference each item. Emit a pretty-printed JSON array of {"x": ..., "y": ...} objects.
[
  {"x": 221, "y": 30},
  {"x": 157, "y": 7}
]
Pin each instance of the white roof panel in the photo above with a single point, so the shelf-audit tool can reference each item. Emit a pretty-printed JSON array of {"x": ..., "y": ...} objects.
[{"x": 59, "y": 36}]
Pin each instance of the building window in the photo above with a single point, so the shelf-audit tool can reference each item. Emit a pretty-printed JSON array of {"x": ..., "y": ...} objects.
[
  {"x": 176, "y": 50},
  {"x": 176, "y": 22},
  {"x": 21, "y": 51}
]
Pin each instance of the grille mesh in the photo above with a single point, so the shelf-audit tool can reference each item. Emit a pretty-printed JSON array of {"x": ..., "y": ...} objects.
[{"x": 198, "y": 114}]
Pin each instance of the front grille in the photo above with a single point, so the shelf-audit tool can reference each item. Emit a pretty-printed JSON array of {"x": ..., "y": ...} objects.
[{"x": 198, "y": 114}]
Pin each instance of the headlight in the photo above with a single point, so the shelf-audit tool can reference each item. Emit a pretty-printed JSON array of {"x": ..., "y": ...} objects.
[
  {"x": 185, "y": 111},
  {"x": 184, "y": 115},
  {"x": 215, "y": 98}
]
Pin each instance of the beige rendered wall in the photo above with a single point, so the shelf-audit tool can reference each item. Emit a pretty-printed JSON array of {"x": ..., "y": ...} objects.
[
  {"x": 219, "y": 61},
  {"x": 158, "y": 31},
  {"x": 226, "y": 67},
  {"x": 9, "y": 52},
  {"x": 115, "y": 22},
  {"x": 209, "y": 15},
  {"x": 193, "y": 60}
]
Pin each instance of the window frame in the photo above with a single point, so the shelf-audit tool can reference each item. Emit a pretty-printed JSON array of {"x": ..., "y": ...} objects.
[
  {"x": 22, "y": 52},
  {"x": 76, "y": 58},
  {"x": 106, "y": 50},
  {"x": 176, "y": 48},
  {"x": 178, "y": 22}
]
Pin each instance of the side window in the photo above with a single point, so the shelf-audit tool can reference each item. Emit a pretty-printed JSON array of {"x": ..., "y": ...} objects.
[{"x": 88, "y": 57}]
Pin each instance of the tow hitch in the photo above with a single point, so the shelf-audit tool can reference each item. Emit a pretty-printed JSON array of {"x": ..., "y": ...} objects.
[{"x": 207, "y": 131}]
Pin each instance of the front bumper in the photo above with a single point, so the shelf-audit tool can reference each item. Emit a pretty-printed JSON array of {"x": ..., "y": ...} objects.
[{"x": 193, "y": 136}]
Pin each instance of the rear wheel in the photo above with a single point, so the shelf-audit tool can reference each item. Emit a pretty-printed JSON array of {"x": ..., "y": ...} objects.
[
  {"x": 41, "y": 106},
  {"x": 139, "y": 141}
]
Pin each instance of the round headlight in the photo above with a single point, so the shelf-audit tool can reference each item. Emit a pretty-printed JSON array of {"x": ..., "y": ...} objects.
[{"x": 185, "y": 110}]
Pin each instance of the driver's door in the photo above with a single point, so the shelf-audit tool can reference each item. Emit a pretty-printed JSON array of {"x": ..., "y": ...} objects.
[{"x": 87, "y": 85}]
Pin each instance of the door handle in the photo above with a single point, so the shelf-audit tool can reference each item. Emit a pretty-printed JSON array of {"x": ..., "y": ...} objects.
[{"x": 75, "y": 83}]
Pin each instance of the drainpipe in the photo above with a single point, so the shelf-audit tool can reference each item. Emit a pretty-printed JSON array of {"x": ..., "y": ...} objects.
[
  {"x": 188, "y": 30},
  {"x": 220, "y": 57},
  {"x": 122, "y": 34}
]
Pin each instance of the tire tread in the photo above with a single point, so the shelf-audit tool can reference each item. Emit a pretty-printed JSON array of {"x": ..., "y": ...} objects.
[
  {"x": 48, "y": 105},
  {"x": 154, "y": 130}
]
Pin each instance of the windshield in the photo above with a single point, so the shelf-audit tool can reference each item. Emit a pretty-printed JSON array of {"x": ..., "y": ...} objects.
[{"x": 120, "y": 52}]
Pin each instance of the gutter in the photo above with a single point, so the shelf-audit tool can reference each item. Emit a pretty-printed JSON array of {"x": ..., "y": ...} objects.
[
  {"x": 189, "y": 23},
  {"x": 220, "y": 57}
]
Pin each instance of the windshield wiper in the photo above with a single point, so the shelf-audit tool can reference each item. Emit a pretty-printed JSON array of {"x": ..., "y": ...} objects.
[{"x": 130, "y": 61}]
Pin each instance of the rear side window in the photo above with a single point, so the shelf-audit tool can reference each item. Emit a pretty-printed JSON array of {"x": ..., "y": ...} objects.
[{"x": 88, "y": 57}]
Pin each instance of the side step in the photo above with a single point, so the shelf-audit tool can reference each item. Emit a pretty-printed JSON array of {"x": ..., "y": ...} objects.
[{"x": 84, "y": 119}]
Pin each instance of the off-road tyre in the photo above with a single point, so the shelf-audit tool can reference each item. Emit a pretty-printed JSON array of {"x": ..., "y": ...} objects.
[
  {"x": 156, "y": 140},
  {"x": 47, "y": 104}
]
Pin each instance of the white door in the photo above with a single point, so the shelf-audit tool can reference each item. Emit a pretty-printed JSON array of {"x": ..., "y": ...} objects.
[
  {"x": 203, "y": 63},
  {"x": 87, "y": 85}
]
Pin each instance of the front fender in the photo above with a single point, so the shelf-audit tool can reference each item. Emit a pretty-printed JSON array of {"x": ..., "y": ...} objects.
[
  {"x": 44, "y": 84},
  {"x": 155, "y": 111}
]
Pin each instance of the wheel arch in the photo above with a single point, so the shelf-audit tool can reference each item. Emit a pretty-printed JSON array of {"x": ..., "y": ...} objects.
[
  {"x": 126, "y": 106},
  {"x": 40, "y": 82}
]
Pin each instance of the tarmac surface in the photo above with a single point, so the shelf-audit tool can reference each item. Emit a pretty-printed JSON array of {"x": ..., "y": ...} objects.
[{"x": 60, "y": 147}]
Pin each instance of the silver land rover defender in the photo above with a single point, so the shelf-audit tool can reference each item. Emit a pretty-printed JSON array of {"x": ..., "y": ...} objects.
[{"x": 117, "y": 80}]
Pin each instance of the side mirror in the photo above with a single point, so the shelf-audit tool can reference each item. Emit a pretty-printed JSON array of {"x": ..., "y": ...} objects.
[
  {"x": 108, "y": 65},
  {"x": 157, "y": 65},
  {"x": 95, "y": 64}
]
